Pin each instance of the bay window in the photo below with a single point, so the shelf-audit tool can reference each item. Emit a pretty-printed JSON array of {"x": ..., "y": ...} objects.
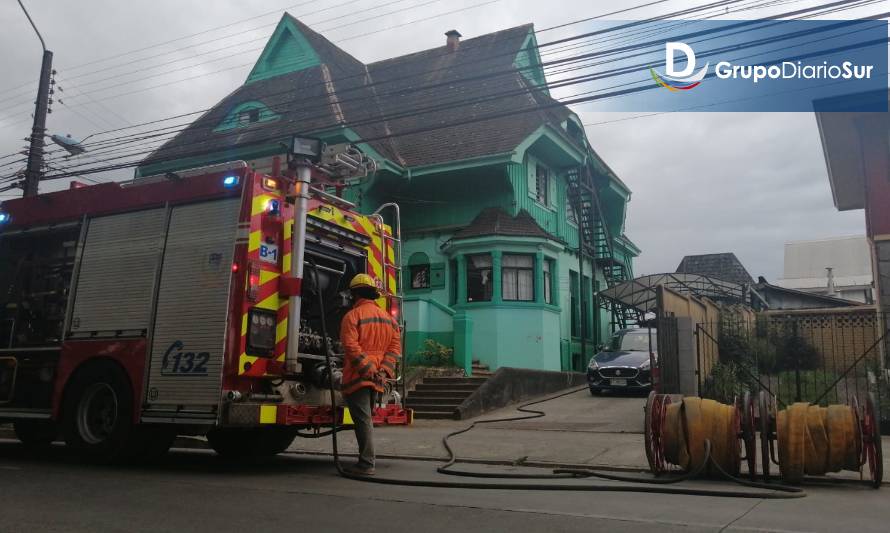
[
  {"x": 517, "y": 277},
  {"x": 479, "y": 282}
]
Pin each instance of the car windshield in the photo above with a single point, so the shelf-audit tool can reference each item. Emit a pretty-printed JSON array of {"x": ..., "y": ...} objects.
[{"x": 632, "y": 342}]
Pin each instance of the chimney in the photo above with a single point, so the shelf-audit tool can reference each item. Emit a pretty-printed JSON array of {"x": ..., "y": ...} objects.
[
  {"x": 832, "y": 290},
  {"x": 453, "y": 40}
]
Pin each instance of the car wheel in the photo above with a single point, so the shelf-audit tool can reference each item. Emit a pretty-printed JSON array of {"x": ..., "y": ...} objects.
[
  {"x": 98, "y": 418},
  {"x": 36, "y": 433}
]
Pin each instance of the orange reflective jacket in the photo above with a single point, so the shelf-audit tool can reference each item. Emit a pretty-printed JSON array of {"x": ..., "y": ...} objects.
[{"x": 372, "y": 342}]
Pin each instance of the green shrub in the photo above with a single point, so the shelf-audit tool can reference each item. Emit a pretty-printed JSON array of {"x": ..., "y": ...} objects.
[
  {"x": 436, "y": 354},
  {"x": 796, "y": 353},
  {"x": 727, "y": 381}
]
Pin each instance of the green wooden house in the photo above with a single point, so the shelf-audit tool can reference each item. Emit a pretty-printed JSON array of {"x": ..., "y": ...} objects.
[{"x": 485, "y": 166}]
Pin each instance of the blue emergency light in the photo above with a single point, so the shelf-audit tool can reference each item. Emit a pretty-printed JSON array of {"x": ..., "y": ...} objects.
[
  {"x": 5, "y": 217},
  {"x": 230, "y": 181},
  {"x": 274, "y": 207}
]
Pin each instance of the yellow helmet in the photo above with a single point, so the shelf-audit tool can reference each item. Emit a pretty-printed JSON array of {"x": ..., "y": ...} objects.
[{"x": 362, "y": 280}]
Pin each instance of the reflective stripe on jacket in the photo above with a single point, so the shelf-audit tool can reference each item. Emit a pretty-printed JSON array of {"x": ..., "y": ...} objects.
[{"x": 372, "y": 342}]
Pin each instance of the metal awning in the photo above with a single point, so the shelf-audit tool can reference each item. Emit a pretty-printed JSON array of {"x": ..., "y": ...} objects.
[{"x": 639, "y": 293}]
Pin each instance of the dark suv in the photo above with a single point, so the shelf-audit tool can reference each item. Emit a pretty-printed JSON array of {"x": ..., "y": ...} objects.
[{"x": 624, "y": 364}]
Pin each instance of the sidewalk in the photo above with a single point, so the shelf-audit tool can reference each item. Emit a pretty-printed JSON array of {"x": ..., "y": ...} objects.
[
  {"x": 578, "y": 429},
  {"x": 602, "y": 432}
]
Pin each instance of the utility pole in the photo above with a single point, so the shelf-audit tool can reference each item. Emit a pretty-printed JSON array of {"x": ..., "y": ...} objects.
[{"x": 35, "y": 152}]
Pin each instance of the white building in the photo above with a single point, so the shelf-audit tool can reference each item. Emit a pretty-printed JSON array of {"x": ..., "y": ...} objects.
[{"x": 839, "y": 267}]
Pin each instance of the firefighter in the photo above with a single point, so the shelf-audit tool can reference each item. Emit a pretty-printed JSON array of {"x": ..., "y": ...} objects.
[{"x": 372, "y": 343}]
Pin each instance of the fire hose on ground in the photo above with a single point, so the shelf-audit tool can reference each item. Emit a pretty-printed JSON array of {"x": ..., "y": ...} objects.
[{"x": 634, "y": 484}]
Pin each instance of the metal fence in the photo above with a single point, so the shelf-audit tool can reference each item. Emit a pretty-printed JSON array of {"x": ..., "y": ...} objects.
[
  {"x": 831, "y": 357},
  {"x": 668, "y": 355}
]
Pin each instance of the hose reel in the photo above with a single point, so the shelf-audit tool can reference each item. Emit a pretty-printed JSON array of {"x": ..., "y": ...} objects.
[{"x": 802, "y": 440}]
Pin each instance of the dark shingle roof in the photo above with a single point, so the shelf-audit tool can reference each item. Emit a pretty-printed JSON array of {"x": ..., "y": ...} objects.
[
  {"x": 496, "y": 221},
  {"x": 724, "y": 266},
  {"x": 398, "y": 96}
]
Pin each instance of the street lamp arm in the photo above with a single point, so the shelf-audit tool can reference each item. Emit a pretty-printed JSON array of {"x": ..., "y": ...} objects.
[{"x": 43, "y": 44}]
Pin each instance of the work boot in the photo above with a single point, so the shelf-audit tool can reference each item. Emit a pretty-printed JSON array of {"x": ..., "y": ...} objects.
[{"x": 360, "y": 470}]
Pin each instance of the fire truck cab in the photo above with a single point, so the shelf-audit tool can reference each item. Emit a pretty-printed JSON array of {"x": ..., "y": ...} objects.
[{"x": 134, "y": 312}]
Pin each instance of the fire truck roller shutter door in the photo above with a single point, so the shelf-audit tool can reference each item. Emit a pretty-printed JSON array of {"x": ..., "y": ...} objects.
[
  {"x": 190, "y": 324},
  {"x": 118, "y": 268}
]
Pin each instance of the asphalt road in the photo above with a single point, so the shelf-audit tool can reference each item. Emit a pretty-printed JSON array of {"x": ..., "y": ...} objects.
[{"x": 193, "y": 490}]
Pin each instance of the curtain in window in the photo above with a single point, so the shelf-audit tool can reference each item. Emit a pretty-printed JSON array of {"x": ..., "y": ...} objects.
[
  {"x": 479, "y": 278},
  {"x": 517, "y": 277}
]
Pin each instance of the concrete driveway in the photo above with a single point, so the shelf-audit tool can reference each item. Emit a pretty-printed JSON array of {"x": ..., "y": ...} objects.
[{"x": 603, "y": 431}]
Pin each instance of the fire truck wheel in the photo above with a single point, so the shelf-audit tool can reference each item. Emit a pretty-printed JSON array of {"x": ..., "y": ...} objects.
[
  {"x": 251, "y": 443},
  {"x": 98, "y": 417},
  {"x": 36, "y": 433}
]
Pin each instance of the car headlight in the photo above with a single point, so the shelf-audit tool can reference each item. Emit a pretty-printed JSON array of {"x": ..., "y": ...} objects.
[
  {"x": 646, "y": 364},
  {"x": 592, "y": 364}
]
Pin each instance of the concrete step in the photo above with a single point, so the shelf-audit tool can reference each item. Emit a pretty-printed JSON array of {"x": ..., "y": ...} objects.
[
  {"x": 434, "y": 400},
  {"x": 429, "y": 415},
  {"x": 463, "y": 380},
  {"x": 452, "y": 387}
]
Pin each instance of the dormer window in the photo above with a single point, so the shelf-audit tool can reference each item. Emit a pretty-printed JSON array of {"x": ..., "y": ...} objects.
[
  {"x": 248, "y": 117},
  {"x": 245, "y": 115}
]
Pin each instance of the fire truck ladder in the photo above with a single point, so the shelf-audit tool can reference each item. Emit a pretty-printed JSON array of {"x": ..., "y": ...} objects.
[
  {"x": 394, "y": 242},
  {"x": 596, "y": 242}
]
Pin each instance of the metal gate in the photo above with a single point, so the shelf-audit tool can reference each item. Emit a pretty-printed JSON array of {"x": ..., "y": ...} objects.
[
  {"x": 828, "y": 357},
  {"x": 188, "y": 340},
  {"x": 668, "y": 356}
]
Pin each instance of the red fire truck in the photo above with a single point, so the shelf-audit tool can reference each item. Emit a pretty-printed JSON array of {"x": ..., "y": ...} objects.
[{"x": 181, "y": 305}]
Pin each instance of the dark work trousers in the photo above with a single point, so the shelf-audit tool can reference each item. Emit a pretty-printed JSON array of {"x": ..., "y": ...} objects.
[{"x": 361, "y": 405}]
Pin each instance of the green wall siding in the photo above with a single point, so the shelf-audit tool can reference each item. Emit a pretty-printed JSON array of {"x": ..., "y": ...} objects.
[
  {"x": 551, "y": 218},
  {"x": 450, "y": 200}
]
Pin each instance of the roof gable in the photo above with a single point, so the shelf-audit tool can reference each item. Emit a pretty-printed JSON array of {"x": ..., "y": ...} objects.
[
  {"x": 528, "y": 61},
  {"x": 286, "y": 51}
]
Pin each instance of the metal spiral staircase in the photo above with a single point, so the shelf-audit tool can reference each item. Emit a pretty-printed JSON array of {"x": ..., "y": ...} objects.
[{"x": 597, "y": 243}]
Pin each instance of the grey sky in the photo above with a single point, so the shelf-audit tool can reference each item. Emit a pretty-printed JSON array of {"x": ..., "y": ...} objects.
[{"x": 702, "y": 182}]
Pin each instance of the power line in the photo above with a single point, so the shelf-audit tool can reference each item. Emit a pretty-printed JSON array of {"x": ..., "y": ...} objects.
[
  {"x": 570, "y": 101},
  {"x": 122, "y": 54},
  {"x": 134, "y": 154},
  {"x": 686, "y": 11},
  {"x": 560, "y": 41},
  {"x": 235, "y": 67},
  {"x": 375, "y": 119},
  {"x": 507, "y": 72}
]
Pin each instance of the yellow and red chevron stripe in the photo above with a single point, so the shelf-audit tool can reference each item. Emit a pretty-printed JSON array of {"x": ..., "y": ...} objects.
[{"x": 266, "y": 228}]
